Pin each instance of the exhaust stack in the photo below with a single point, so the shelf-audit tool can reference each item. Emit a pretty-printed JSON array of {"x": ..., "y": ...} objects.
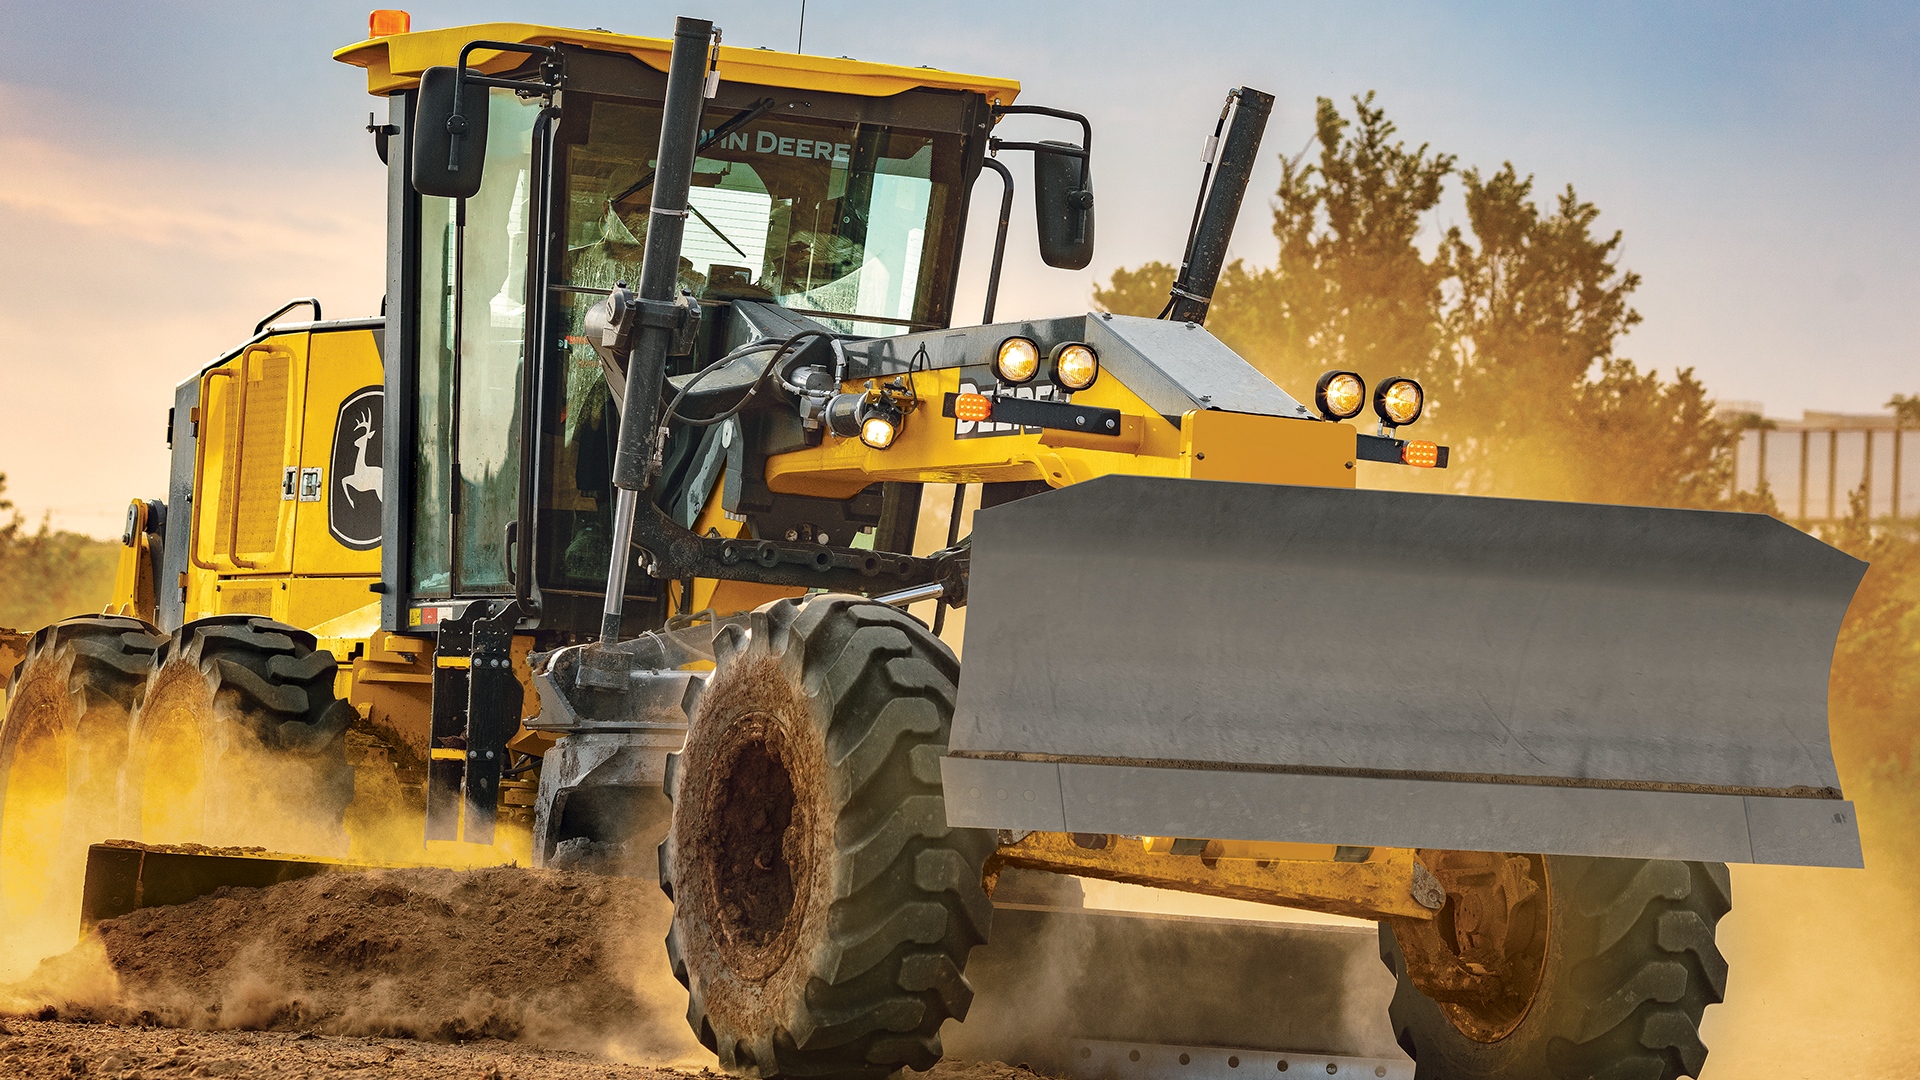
[{"x": 1221, "y": 188}]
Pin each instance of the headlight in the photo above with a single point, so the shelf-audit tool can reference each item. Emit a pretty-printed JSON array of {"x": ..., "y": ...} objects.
[
  {"x": 1340, "y": 395},
  {"x": 1018, "y": 360},
  {"x": 878, "y": 431},
  {"x": 1075, "y": 366},
  {"x": 876, "y": 423},
  {"x": 1398, "y": 401}
]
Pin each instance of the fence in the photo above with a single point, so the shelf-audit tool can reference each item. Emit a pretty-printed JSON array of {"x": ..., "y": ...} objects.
[{"x": 1813, "y": 466}]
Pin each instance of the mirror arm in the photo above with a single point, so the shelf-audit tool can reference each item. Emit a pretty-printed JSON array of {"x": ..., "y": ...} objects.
[
  {"x": 1081, "y": 200},
  {"x": 551, "y": 71}
]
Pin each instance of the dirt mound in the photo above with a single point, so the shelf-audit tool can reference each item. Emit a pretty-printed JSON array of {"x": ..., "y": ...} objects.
[{"x": 552, "y": 958}]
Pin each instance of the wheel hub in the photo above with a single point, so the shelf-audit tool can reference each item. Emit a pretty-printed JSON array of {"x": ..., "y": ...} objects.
[{"x": 755, "y": 848}]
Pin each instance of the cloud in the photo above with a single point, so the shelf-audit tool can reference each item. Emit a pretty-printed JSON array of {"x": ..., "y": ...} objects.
[{"x": 130, "y": 271}]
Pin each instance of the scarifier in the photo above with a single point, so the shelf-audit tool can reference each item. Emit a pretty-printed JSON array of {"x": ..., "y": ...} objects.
[{"x": 619, "y": 503}]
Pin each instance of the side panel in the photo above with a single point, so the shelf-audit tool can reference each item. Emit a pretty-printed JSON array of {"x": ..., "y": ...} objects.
[
  {"x": 341, "y": 493},
  {"x": 250, "y": 429},
  {"x": 171, "y": 588}
]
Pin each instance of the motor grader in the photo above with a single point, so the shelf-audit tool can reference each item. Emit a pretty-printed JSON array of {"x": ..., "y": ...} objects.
[{"x": 612, "y": 520}]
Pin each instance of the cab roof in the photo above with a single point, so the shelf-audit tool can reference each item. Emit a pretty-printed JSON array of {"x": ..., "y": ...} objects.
[{"x": 396, "y": 62}]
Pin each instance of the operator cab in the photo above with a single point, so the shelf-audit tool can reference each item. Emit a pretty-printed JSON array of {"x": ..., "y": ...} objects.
[{"x": 831, "y": 190}]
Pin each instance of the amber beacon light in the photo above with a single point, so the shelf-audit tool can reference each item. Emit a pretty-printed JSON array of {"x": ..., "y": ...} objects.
[{"x": 386, "y": 22}]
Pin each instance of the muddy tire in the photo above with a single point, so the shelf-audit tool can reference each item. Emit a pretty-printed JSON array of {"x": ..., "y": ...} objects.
[
  {"x": 823, "y": 910},
  {"x": 1630, "y": 964},
  {"x": 240, "y": 740},
  {"x": 61, "y": 745}
]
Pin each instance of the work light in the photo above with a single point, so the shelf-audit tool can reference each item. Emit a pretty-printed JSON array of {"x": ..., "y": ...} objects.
[
  {"x": 1340, "y": 395},
  {"x": 1398, "y": 401},
  {"x": 880, "y": 424},
  {"x": 1017, "y": 361},
  {"x": 1075, "y": 366}
]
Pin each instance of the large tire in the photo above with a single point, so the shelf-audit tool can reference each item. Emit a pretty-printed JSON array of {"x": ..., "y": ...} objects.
[
  {"x": 1630, "y": 964},
  {"x": 240, "y": 740},
  {"x": 823, "y": 909},
  {"x": 61, "y": 745}
]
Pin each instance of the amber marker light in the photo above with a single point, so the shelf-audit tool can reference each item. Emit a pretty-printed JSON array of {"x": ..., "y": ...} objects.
[
  {"x": 974, "y": 407},
  {"x": 1340, "y": 395},
  {"x": 1398, "y": 401},
  {"x": 1423, "y": 455},
  {"x": 1075, "y": 366},
  {"x": 386, "y": 22},
  {"x": 1017, "y": 361}
]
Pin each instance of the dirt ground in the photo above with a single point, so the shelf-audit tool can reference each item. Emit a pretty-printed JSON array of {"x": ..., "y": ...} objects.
[
  {"x": 49, "y": 1049},
  {"x": 413, "y": 974},
  {"x": 37, "y": 1049}
]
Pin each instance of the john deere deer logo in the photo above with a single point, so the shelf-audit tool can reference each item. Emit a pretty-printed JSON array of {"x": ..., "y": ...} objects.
[
  {"x": 364, "y": 477},
  {"x": 355, "y": 498}
]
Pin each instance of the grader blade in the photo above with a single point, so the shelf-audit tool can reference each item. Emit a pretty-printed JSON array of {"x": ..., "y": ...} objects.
[{"x": 1188, "y": 658}]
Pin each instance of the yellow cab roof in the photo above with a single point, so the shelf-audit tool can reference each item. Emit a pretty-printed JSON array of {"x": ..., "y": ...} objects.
[{"x": 395, "y": 62}]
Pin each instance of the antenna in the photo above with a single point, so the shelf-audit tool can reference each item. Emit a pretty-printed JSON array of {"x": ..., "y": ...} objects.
[{"x": 803, "y": 27}]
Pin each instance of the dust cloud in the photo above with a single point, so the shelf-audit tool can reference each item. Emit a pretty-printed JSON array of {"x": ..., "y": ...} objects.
[
  {"x": 560, "y": 960},
  {"x": 1822, "y": 963}
]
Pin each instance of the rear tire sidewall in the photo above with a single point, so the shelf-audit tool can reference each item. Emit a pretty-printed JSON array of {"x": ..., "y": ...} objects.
[
  {"x": 208, "y": 763},
  {"x": 65, "y": 735},
  {"x": 1591, "y": 1000}
]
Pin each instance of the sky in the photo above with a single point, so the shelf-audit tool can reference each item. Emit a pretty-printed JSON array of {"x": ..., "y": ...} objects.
[{"x": 174, "y": 172}]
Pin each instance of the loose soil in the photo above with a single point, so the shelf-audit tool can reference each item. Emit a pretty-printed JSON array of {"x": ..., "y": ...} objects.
[
  {"x": 420, "y": 974},
  {"x": 552, "y": 959}
]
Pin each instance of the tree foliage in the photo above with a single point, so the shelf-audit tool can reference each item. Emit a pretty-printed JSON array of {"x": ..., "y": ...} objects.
[
  {"x": 1511, "y": 325},
  {"x": 46, "y": 576}
]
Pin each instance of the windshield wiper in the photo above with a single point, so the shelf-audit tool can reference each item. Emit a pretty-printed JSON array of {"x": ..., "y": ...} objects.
[
  {"x": 716, "y": 229},
  {"x": 721, "y": 132}
]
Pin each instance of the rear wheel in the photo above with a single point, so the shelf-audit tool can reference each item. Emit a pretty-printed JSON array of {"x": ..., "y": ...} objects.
[
  {"x": 61, "y": 745},
  {"x": 823, "y": 910},
  {"x": 240, "y": 740},
  {"x": 1612, "y": 964}
]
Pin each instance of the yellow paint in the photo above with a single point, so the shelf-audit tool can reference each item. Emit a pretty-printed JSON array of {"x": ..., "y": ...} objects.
[
  {"x": 270, "y": 408},
  {"x": 133, "y": 584},
  {"x": 442, "y": 754},
  {"x": 453, "y": 661},
  {"x": 1267, "y": 449},
  {"x": 1205, "y": 445},
  {"x": 395, "y": 63}
]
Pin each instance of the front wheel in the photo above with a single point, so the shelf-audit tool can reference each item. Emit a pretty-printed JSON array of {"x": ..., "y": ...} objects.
[
  {"x": 823, "y": 909},
  {"x": 1607, "y": 966}
]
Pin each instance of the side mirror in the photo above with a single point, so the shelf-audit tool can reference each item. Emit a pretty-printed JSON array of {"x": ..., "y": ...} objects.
[
  {"x": 449, "y": 137},
  {"x": 1063, "y": 206}
]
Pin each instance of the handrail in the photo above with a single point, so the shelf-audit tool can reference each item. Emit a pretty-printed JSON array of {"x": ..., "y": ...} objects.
[
  {"x": 286, "y": 307},
  {"x": 199, "y": 465}
]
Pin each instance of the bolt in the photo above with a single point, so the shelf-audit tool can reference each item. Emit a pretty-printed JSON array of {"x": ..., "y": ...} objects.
[
  {"x": 489, "y": 755},
  {"x": 1079, "y": 421},
  {"x": 1332, "y": 1068},
  {"x": 793, "y": 534}
]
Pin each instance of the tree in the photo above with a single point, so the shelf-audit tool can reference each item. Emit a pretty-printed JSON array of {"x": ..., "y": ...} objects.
[
  {"x": 46, "y": 576},
  {"x": 1511, "y": 327}
]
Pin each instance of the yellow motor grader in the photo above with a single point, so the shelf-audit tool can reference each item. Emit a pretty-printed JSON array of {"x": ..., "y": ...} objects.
[{"x": 610, "y": 522}]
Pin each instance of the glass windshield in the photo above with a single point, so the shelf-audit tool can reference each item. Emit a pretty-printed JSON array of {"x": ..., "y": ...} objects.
[{"x": 835, "y": 219}]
